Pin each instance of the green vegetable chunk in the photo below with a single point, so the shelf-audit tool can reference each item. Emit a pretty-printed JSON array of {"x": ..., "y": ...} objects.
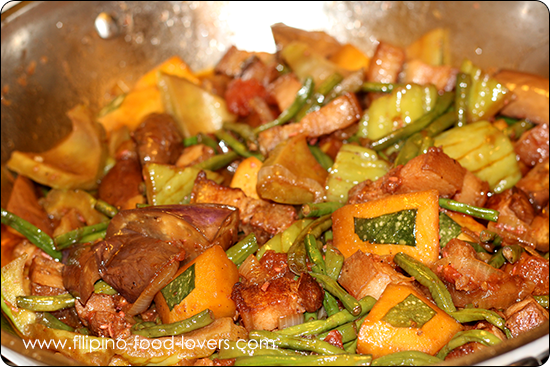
[
  {"x": 448, "y": 229},
  {"x": 411, "y": 312},
  {"x": 397, "y": 228},
  {"x": 179, "y": 288}
]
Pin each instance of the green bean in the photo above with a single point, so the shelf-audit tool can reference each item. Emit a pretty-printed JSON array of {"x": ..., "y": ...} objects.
[
  {"x": 142, "y": 325},
  {"x": 334, "y": 261},
  {"x": 497, "y": 260},
  {"x": 324, "y": 160},
  {"x": 236, "y": 145},
  {"x": 474, "y": 211},
  {"x": 427, "y": 278},
  {"x": 192, "y": 140},
  {"x": 477, "y": 314},
  {"x": 52, "y": 322},
  {"x": 230, "y": 349},
  {"x": 310, "y": 316},
  {"x": 338, "y": 319},
  {"x": 67, "y": 239},
  {"x": 330, "y": 304},
  {"x": 312, "y": 360},
  {"x": 218, "y": 161},
  {"x": 464, "y": 337},
  {"x": 515, "y": 131},
  {"x": 463, "y": 87},
  {"x": 332, "y": 286},
  {"x": 547, "y": 256},
  {"x": 542, "y": 300},
  {"x": 328, "y": 235},
  {"x": 45, "y": 303},
  {"x": 93, "y": 236},
  {"x": 319, "y": 209},
  {"x": 208, "y": 141},
  {"x": 301, "y": 97},
  {"x": 348, "y": 332},
  {"x": 243, "y": 130},
  {"x": 33, "y": 234},
  {"x": 351, "y": 346},
  {"x": 425, "y": 144},
  {"x": 105, "y": 208},
  {"x": 176, "y": 328},
  {"x": 297, "y": 256},
  {"x": 487, "y": 236},
  {"x": 101, "y": 287},
  {"x": 315, "y": 255},
  {"x": 294, "y": 342},
  {"x": 242, "y": 249},
  {"x": 512, "y": 253},
  {"x": 406, "y": 358},
  {"x": 477, "y": 247},
  {"x": 379, "y": 87},
  {"x": 416, "y": 126},
  {"x": 319, "y": 97},
  {"x": 441, "y": 123},
  {"x": 410, "y": 150}
]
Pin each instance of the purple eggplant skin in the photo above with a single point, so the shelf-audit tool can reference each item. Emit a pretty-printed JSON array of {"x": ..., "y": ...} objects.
[{"x": 197, "y": 226}]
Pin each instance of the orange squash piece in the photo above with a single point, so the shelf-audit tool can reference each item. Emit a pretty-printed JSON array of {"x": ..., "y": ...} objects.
[
  {"x": 350, "y": 58},
  {"x": 246, "y": 177},
  {"x": 427, "y": 226},
  {"x": 378, "y": 338},
  {"x": 215, "y": 276}
]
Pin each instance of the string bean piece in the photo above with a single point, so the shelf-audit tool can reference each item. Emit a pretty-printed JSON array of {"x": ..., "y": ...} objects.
[
  {"x": 334, "y": 261},
  {"x": 542, "y": 300},
  {"x": 463, "y": 337},
  {"x": 512, "y": 253},
  {"x": 474, "y": 211},
  {"x": 497, "y": 260},
  {"x": 31, "y": 232},
  {"x": 195, "y": 322},
  {"x": 324, "y": 160},
  {"x": 294, "y": 342},
  {"x": 243, "y": 130},
  {"x": 516, "y": 130},
  {"x": 301, "y": 98},
  {"x": 410, "y": 149},
  {"x": 478, "y": 314},
  {"x": 487, "y": 236},
  {"x": 330, "y": 304},
  {"x": 67, "y": 239},
  {"x": 236, "y": 145},
  {"x": 312, "y": 360},
  {"x": 101, "y": 287},
  {"x": 441, "y": 123},
  {"x": 425, "y": 144},
  {"x": 218, "y": 161},
  {"x": 93, "y": 236},
  {"x": 52, "y": 322},
  {"x": 348, "y": 332},
  {"x": 315, "y": 255},
  {"x": 242, "y": 249},
  {"x": 332, "y": 286},
  {"x": 463, "y": 87},
  {"x": 45, "y": 303},
  {"x": 297, "y": 256},
  {"x": 427, "y": 278},
  {"x": 318, "y": 99},
  {"x": 416, "y": 126},
  {"x": 105, "y": 208},
  {"x": 406, "y": 358},
  {"x": 319, "y": 209},
  {"x": 334, "y": 321},
  {"x": 351, "y": 346},
  {"x": 230, "y": 349}
]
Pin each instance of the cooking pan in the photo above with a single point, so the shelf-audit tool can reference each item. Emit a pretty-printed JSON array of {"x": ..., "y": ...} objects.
[{"x": 56, "y": 55}]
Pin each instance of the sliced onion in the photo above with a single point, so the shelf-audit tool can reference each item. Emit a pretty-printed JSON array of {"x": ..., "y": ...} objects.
[
  {"x": 253, "y": 271},
  {"x": 159, "y": 282},
  {"x": 291, "y": 320}
]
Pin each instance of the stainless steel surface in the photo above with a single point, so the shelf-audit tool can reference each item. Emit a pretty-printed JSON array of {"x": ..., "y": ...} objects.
[{"x": 53, "y": 57}]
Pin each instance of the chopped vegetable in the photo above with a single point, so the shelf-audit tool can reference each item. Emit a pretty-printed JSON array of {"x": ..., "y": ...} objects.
[
  {"x": 45, "y": 303},
  {"x": 426, "y": 231},
  {"x": 246, "y": 177},
  {"x": 483, "y": 150},
  {"x": 242, "y": 249},
  {"x": 353, "y": 164},
  {"x": 379, "y": 338},
  {"x": 432, "y": 48},
  {"x": 463, "y": 337},
  {"x": 179, "y": 327}
]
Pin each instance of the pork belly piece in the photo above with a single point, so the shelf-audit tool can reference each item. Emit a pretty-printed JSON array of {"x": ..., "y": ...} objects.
[
  {"x": 158, "y": 139},
  {"x": 531, "y": 95},
  {"x": 524, "y": 316},
  {"x": 284, "y": 89},
  {"x": 433, "y": 170},
  {"x": 319, "y": 41},
  {"x": 23, "y": 202},
  {"x": 102, "y": 315},
  {"x": 386, "y": 63},
  {"x": 46, "y": 272},
  {"x": 533, "y": 269},
  {"x": 233, "y": 62},
  {"x": 367, "y": 275},
  {"x": 120, "y": 187},
  {"x": 535, "y": 185},
  {"x": 532, "y": 147},
  {"x": 472, "y": 347},
  {"x": 443, "y": 77},
  {"x": 264, "y": 219},
  {"x": 539, "y": 230},
  {"x": 338, "y": 114},
  {"x": 194, "y": 154},
  {"x": 240, "y": 92},
  {"x": 515, "y": 216},
  {"x": 261, "y": 305},
  {"x": 472, "y": 281},
  {"x": 473, "y": 191}
]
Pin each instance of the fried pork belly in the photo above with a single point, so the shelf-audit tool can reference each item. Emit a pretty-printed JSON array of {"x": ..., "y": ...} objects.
[
  {"x": 532, "y": 147},
  {"x": 535, "y": 184},
  {"x": 386, "y": 63},
  {"x": 524, "y": 316},
  {"x": 418, "y": 72},
  {"x": 261, "y": 305},
  {"x": 263, "y": 218},
  {"x": 104, "y": 317},
  {"x": 433, "y": 170},
  {"x": 46, "y": 273},
  {"x": 368, "y": 275},
  {"x": 533, "y": 269}
]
